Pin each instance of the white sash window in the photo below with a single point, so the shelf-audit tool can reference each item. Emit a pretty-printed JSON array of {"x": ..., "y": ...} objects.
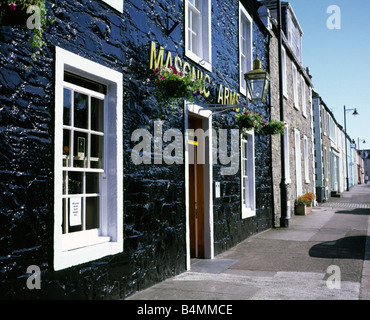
[{"x": 88, "y": 188}]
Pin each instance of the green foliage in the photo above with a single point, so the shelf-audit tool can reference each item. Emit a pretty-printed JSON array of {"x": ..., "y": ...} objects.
[
  {"x": 173, "y": 85},
  {"x": 249, "y": 120},
  {"x": 36, "y": 41}
]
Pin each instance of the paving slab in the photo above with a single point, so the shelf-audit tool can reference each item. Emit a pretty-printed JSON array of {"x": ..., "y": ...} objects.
[{"x": 294, "y": 263}]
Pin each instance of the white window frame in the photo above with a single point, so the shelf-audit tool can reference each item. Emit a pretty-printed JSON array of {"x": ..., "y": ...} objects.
[
  {"x": 298, "y": 161},
  {"x": 287, "y": 154},
  {"x": 108, "y": 240},
  {"x": 245, "y": 46},
  {"x": 115, "y": 4},
  {"x": 284, "y": 65},
  {"x": 303, "y": 95},
  {"x": 248, "y": 209},
  {"x": 323, "y": 121},
  {"x": 204, "y": 56},
  {"x": 295, "y": 86},
  {"x": 326, "y": 164},
  {"x": 306, "y": 162}
]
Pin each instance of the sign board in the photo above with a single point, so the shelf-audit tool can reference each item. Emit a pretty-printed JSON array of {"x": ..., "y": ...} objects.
[{"x": 75, "y": 211}]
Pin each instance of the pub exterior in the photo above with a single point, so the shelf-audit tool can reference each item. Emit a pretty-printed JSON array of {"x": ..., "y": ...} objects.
[{"x": 104, "y": 190}]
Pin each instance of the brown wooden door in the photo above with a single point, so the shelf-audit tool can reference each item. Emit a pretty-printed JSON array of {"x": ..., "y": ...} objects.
[{"x": 196, "y": 195}]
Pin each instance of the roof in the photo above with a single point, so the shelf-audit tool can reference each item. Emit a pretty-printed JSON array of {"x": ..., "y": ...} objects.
[{"x": 272, "y": 5}]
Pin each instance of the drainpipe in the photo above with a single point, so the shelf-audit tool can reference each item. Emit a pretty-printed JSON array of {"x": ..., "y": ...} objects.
[{"x": 284, "y": 221}]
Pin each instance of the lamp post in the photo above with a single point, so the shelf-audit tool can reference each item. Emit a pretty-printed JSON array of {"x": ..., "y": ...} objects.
[
  {"x": 257, "y": 83},
  {"x": 358, "y": 140},
  {"x": 355, "y": 113}
]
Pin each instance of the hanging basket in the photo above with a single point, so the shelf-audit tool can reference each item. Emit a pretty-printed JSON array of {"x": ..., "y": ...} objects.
[
  {"x": 17, "y": 17},
  {"x": 175, "y": 89}
]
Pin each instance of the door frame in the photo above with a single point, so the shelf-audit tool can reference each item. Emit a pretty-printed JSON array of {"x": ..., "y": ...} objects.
[{"x": 206, "y": 117}]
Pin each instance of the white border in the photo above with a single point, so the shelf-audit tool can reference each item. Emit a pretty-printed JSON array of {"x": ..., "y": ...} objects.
[
  {"x": 208, "y": 187},
  {"x": 244, "y": 15},
  {"x": 66, "y": 60},
  {"x": 248, "y": 212},
  {"x": 115, "y": 4},
  {"x": 199, "y": 60}
]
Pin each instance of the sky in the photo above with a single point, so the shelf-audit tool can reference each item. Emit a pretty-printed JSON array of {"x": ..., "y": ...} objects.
[{"x": 339, "y": 59}]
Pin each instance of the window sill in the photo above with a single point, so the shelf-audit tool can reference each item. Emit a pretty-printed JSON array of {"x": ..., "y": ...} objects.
[
  {"x": 248, "y": 213},
  {"x": 82, "y": 239},
  {"x": 67, "y": 259},
  {"x": 198, "y": 60}
]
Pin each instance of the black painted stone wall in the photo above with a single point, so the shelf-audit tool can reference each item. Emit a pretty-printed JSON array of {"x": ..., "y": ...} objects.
[{"x": 154, "y": 195}]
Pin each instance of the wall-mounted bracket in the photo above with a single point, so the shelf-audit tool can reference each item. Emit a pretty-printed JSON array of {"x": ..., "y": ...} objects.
[{"x": 175, "y": 24}]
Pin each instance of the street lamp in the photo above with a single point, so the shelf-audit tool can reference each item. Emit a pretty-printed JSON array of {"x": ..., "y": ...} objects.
[
  {"x": 258, "y": 81},
  {"x": 355, "y": 113},
  {"x": 358, "y": 140}
]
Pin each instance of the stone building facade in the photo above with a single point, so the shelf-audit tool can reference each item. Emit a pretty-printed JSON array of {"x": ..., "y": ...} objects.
[
  {"x": 321, "y": 115},
  {"x": 74, "y": 205},
  {"x": 297, "y": 90}
]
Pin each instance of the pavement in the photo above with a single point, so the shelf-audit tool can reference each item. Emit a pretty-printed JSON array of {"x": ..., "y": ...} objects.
[{"x": 321, "y": 256}]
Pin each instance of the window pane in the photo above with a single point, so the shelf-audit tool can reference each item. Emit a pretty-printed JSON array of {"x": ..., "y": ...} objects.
[
  {"x": 92, "y": 182},
  {"x": 80, "y": 110},
  {"x": 195, "y": 3},
  {"x": 245, "y": 149},
  {"x": 80, "y": 150},
  {"x": 75, "y": 182},
  {"x": 66, "y": 148},
  {"x": 97, "y": 114},
  {"x": 64, "y": 218},
  {"x": 67, "y": 102},
  {"x": 64, "y": 183},
  {"x": 92, "y": 212},
  {"x": 97, "y": 152}
]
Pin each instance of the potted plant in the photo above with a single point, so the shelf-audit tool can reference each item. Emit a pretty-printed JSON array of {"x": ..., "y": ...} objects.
[
  {"x": 173, "y": 85},
  {"x": 303, "y": 204},
  {"x": 18, "y": 13}
]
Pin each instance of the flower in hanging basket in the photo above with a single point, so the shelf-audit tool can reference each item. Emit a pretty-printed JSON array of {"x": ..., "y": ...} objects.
[
  {"x": 173, "y": 85},
  {"x": 12, "y": 6},
  {"x": 273, "y": 127},
  {"x": 249, "y": 120},
  {"x": 31, "y": 14}
]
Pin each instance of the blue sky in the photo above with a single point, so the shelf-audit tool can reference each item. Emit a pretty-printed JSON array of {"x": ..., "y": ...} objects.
[{"x": 339, "y": 59}]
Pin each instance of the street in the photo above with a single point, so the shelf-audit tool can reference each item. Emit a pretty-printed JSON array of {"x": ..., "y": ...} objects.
[{"x": 321, "y": 256}]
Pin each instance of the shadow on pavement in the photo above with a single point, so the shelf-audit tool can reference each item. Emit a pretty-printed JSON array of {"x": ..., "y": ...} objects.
[
  {"x": 359, "y": 211},
  {"x": 343, "y": 248}
]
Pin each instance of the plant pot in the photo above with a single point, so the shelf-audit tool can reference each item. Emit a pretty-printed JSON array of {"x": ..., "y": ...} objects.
[
  {"x": 13, "y": 18},
  {"x": 302, "y": 210}
]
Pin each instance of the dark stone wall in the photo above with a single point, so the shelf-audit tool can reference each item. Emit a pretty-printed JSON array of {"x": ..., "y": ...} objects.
[{"x": 154, "y": 195}]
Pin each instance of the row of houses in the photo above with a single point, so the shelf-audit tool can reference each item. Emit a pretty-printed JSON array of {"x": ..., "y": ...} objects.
[{"x": 105, "y": 190}]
